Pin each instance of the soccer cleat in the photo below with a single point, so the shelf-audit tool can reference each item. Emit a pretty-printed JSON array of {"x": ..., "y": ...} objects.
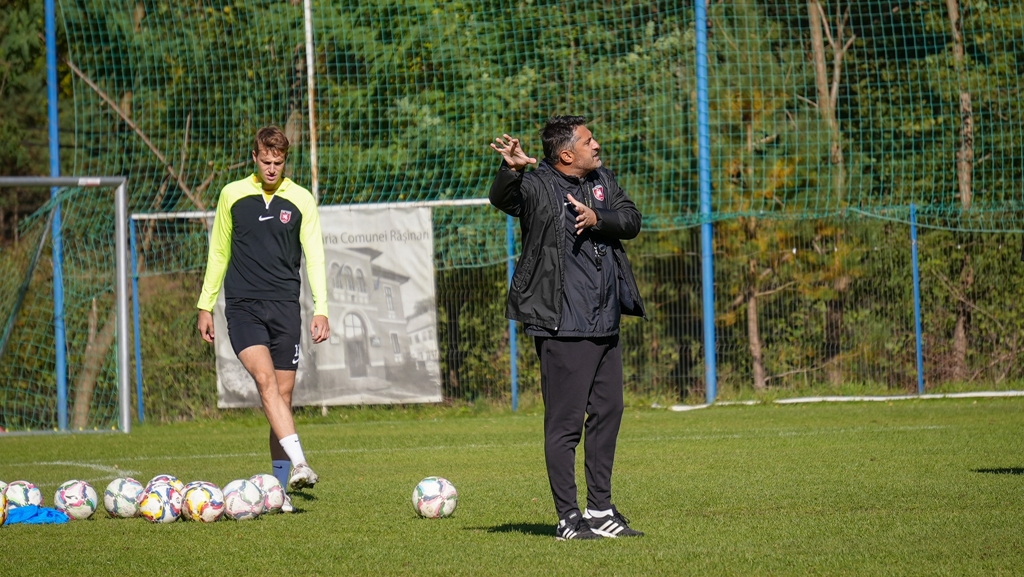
[
  {"x": 614, "y": 525},
  {"x": 287, "y": 506},
  {"x": 302, "y": 477},
  {"x": 574, "y": 527}
]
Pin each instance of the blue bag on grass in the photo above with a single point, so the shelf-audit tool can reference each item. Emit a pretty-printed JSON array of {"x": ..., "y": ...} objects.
[{"x": 36, "y": 515}]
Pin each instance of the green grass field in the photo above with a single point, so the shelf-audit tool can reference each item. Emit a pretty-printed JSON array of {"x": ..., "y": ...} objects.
[{"x": 899, "y": 488}]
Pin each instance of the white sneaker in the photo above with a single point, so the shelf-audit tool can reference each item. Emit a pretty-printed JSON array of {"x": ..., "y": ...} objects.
[
  {"x": 287, "y": 506},
  {"x": 302, "y": 477}
]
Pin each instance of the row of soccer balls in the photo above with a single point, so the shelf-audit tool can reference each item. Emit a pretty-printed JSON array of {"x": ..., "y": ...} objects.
[{"x": 163, "y": 500}]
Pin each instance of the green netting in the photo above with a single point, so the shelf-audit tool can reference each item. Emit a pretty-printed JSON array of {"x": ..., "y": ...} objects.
[
  {"x": 27, "y": 367},
  {"x": 828, "y": 120}
]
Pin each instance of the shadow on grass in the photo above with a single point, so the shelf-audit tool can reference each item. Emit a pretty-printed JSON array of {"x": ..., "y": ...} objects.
[
  {"x": 1002, "y": 471},
  {"x": 300, "y": 498},
  {"x": 538, "y": 529}
]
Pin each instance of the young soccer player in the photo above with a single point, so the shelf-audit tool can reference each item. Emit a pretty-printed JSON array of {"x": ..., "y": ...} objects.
[{"x": 265, "y": 223}]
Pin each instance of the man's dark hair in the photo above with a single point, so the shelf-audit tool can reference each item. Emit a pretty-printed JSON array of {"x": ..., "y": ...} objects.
[{"x": 559, "y": 134}]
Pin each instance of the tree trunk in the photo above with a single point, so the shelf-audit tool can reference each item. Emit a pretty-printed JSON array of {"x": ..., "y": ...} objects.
[
  {"x": 959, "y": 368},
  {"x": 92, "y": 363},
  {"x": 827, "y": 95},
  {"x": 965, "y": 154},
  {"x": 964, "y": 178},
  {"x": 750, "y": 297},
  {"x": 833, "y": 339},
  {"x": 754, "y": 337}
]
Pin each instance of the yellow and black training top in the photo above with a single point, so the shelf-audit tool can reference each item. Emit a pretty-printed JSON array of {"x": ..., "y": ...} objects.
[{"x": 257, "y": 244}]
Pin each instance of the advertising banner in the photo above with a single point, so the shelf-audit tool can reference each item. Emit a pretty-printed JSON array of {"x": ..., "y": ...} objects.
[{"x": 382, "y": 312}]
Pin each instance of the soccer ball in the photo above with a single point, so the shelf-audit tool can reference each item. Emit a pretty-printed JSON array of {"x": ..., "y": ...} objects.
[
  {"x": 203, "y": 502},
  {"x": 435, "y": 497},
  {"x": 23, "y": 493},
  {"x": 160, "y": 504},
  {"x": 168, "y": 479},
  {"x": 243, "y": 500},
  {"x": 76, "y": 498},
  {"x": 121, "y": 497},
  {"x": 188, "y": 486},
  {"x": 272, "y": 490},
  {"x": 58, "y": 497}
]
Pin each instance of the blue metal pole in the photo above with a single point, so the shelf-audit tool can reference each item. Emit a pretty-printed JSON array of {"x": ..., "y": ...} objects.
[
  {"x": 917, "y": 299},
  {"x": 60, "y": 339},
  {"x": 513, "y": 344},
  {"x": 135, "y": 319},
  {"x": 704, "y": 186}
]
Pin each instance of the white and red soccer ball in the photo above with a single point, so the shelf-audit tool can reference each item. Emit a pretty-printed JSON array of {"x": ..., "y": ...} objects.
[
  {"x": 273, "y": 492},
  {"x": 243, "y": 500},
  {"x": 435, "y": 497},
  {"x": 77, "y": 499}
]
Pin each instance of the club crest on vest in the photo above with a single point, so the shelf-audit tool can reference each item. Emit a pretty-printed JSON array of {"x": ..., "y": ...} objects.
[
  {"x": 599, "y": 192},
  {"x": 286, "y": 215}
]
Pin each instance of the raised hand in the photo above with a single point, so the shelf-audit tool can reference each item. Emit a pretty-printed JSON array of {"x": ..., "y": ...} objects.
[{"x": 512, "y": 153}]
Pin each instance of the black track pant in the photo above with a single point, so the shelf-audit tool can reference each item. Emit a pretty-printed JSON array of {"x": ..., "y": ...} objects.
[{"x": 581, "y": 381}]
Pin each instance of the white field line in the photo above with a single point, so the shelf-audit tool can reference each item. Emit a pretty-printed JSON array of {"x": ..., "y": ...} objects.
[
  {"x": 113, "y": 472},
  {"x": 841, "y": 399}
]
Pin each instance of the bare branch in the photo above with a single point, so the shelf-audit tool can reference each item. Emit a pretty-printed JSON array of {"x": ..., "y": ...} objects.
[
  {"x": 145, "y": 139},
  {"x": 807, "y": 100},
  {"x": 960, "y": 297},
  {"x": 184, "y": 144},
  {"x": 776, "y": 290}
]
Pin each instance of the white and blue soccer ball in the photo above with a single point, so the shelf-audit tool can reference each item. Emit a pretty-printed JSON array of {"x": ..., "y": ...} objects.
[
  {"x": 203, "y": 502},
  {"x": 22, "y": 494},
  {"x": 121, "y": 497},
  {"x": 435, "y": 497},
  {"x": 161, "y": 503},
  {"x": 243, "y": 500},
  {"x": 76, "y": 498},
  {"x": 168, "y": 479},
  {"x": 273, "y": 492}
]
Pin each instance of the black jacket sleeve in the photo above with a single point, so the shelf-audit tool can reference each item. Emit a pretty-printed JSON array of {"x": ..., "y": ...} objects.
[
  {"x": 506, "y": 191},
  {"x": 622, "y": 218}
]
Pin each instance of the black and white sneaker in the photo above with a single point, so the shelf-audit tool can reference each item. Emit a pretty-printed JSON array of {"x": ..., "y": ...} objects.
[
  {"x": 574, "y": 526},
  {"x": 613, "y": 525}
]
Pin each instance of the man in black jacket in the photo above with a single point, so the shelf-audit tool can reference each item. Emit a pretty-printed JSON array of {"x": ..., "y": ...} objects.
[{"x": 570, "y": 287}]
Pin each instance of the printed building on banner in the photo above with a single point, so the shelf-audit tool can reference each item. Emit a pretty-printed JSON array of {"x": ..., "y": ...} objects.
[{"x": 382, "y": 310}]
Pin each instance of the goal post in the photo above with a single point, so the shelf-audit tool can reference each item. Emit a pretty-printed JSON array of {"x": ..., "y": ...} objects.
[{"x": 119, "y": 183}]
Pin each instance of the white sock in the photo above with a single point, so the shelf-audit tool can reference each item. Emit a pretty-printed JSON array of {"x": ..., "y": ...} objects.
[
  {"x": 293, "y": 447},
  {"x": 605, "y": 513}
]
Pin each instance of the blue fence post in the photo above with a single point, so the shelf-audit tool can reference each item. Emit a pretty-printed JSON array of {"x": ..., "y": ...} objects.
[
  {"x": 917, "y": 299},
  {"x": 59, "y": 335},
  {"x": 513, "y": 345},
  {"x": 704, "y": 185},
  {"x": 135, "y": 319}
]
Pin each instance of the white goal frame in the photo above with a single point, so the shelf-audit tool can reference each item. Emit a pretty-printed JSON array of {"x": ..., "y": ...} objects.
[{"x": 120, "y": 183}]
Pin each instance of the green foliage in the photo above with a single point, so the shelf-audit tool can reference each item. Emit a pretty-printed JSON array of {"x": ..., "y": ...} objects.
[{"x": 409, "y": 94}]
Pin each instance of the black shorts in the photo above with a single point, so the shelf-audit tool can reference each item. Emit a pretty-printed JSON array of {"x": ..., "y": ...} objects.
[{"x": 276, "y": 325}]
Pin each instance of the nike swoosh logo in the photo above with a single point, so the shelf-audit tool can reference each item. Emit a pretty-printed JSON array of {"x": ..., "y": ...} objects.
[{"x": 263, "y": 218}]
